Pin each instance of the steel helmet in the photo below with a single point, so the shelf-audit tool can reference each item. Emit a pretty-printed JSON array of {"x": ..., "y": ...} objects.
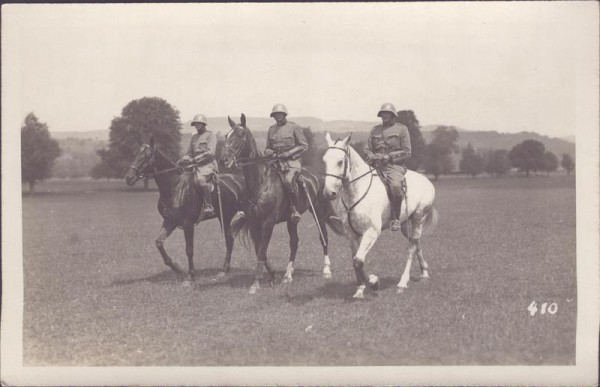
[
  {"x": 387, "y": 107},
  {"x": 279, "y": 108},
  {"x": 199, "y": 118}
]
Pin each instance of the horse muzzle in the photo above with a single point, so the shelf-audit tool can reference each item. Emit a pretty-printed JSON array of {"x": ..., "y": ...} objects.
[{"x": 131, "y": 179}]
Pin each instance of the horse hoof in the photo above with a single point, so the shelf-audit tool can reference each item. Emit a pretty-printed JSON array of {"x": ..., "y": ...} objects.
[
  {"x": 327, "y": 275},
  {"x": 253, "y": 289},
  {"x": 359, "y": 296},
  {"x": 373, "y": 282},
  {"x": 400, "y": 290},
  {"x": 287, "y": 280},
  {"x": 221, "y": 274}
]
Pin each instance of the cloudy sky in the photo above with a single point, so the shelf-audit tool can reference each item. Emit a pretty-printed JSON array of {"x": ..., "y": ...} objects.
[{"x": 504, "y": 66}]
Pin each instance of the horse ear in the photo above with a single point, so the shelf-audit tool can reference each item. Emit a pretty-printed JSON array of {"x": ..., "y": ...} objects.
[
  {"x": 243, "y": 120},
  {"x": 346, "y": 141},
  {"x": 151, "y": 141},
  {"x": 231, "y": 123},
  {"x": 329, "y": 139}
]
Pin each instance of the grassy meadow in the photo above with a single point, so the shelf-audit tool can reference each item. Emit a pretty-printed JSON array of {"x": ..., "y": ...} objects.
[{"x": 98, "y": 294}]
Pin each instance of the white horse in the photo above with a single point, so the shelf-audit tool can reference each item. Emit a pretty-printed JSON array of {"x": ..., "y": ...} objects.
[{"x": 365, "y": 209}]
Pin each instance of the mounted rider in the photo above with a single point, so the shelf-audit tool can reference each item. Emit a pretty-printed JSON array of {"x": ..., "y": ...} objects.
[
  {"x": 201, "y": 156},
  {"x": 387, "y": 150},
  {"x": 286, "y": 142}
]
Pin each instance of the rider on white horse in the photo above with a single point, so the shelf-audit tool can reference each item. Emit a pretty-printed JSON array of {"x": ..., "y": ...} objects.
[{"x": 387, "y": 150}]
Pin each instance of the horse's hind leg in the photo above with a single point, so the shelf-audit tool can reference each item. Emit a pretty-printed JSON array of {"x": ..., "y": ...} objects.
[
  {"x": 165, "y": 231},
  {"x": 416, "y": 223},
  {"x": 293, "y": 231}
]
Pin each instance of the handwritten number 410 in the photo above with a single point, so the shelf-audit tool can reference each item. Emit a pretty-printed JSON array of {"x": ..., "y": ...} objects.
[{"x": 533, "y": 308}]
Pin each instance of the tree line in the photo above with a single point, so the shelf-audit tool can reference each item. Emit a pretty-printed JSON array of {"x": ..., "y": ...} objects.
[{"x": 152, "y": 116}]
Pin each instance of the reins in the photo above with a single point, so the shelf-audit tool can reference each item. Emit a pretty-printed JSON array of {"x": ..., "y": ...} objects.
[
  {"x": 142, "y": 175},
  {"x": 346, "y": 183}
]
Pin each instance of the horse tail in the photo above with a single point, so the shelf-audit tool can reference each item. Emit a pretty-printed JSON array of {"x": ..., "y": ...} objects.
[
  {"x": 240, "y": 229},
  {"x": 431, "y": 221}
]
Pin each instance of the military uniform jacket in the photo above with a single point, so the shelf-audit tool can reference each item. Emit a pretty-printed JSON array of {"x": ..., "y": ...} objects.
[
  {"x": 393, "y": 140},
  {"x": 287, "y": 138},
  {"x": 202, "y": 144}
]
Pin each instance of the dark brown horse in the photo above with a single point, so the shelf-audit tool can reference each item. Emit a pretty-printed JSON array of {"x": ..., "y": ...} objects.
[
  {"x": 180, "y": 204},
  {"x": 269, "y": 205}
]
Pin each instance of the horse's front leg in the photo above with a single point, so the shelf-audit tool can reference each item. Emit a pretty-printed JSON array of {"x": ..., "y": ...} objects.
[
  {"x": 367, "y": 241},
  {"x": 165, "y": 231},
  {"x": 229, "y": 247},
  {"x": 266, "y": 231},
  {"x": 188, "y": 232},
  {"x": 293, "y": 231}
]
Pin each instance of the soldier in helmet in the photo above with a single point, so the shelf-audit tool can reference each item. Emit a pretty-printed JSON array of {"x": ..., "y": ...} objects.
[
  {"x": 286, "y": 142},
  {"x": 201, "y": 153},
  {"x": 388, "y": 149}
]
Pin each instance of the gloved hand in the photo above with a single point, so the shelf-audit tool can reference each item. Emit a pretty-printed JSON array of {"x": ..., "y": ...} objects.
[
  {"x": 269, "y": 152},
  {"x": 184, "y": 160},
  {"x": 285, "y": 155}
]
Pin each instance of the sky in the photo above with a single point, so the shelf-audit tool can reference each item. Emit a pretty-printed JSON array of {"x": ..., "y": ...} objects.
[{"x": 508, "y": 66}]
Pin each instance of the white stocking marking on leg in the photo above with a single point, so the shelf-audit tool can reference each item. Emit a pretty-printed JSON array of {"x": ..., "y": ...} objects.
[
  {"x": 359, "y": 292},
  {"x": 288, "y": 273},
  {"x": 406, "y": 275},
  {"x": 327, "y": 268}
]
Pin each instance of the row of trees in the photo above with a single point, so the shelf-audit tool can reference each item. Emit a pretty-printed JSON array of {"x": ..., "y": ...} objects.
[{"x": 147, "y": 117}]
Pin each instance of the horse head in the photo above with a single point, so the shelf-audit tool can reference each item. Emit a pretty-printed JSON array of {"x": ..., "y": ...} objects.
[
  {"x": 337, "y": 161},
  {"x": 142, "y": 163},
  {"x": 236, "y": 142}
]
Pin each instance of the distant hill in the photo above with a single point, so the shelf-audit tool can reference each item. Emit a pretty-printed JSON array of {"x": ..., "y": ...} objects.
[
  {"x": 494, "y": 140},
  {"x": 79, "y": 148}
]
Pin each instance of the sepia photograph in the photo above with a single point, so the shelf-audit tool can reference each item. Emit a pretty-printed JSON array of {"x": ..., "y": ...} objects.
[{"x": 344, "y": 194}]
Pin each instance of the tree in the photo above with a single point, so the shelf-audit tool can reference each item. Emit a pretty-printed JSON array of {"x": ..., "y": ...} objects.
[
  {"x": 528, "y": 156},
  {"x": 550, "y": 162},
  {"x": 309, "y": 157},
  {"x": 471, "y": 163},
  {"x": 498, "y": 162},
  {"x": 567, "y": 163},
  {"x": 438, "y": 153},
  {"x": 38, "y": 151},
  {"x": 417, "y": 143},
  {"x": 139, "y": 120}
]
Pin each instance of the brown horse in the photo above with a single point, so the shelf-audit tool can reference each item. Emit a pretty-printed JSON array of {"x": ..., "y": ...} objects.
[
  {"x": 180, "y": 204},
  {"x": 269, "y": 205}
]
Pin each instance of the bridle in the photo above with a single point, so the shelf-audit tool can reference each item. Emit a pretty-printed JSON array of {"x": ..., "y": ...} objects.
[
  {"x": 235, "y": 153},
  {"x": 344, "y": 176},
  {"x": 140, "y": 173},
  {"x": 346, "y": 182}
]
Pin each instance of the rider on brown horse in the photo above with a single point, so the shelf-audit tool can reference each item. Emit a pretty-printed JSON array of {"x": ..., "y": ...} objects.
[
  {"x": 201, "y": 155},
  {"x": 387, "y": 150},
  {"x": 286, "y": 142}
]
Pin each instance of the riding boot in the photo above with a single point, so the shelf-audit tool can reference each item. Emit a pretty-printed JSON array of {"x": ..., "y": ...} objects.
[
  {"x": 396, "y": 206},
  {"x": 208, "y": 208},
  {"x": 295, "y": 215}
]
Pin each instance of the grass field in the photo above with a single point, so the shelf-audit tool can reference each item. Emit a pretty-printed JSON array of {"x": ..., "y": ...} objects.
[{"x": 98, "y": 294}]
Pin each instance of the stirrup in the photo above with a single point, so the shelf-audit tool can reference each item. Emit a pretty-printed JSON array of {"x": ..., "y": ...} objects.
[
  {"x": 396, "y": 225},
  {"x": 209, "y": 210}
]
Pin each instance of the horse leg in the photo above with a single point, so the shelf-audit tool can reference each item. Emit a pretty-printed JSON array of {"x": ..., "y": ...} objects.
[
  {"x": 188, "y": 232},
  {"x": 229, "y": 247},
  {"x": 165, "y": 231},
  {"x": 261, "y": 236},
  {"x": 367, "y": 241},
  {"x": 293, "y": 231},
  {"x": 413, "y": 247},
  {"x": 324, "y": 242}
]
